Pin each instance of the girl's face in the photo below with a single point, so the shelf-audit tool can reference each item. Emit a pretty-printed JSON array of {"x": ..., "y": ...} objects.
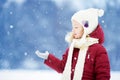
[{"x": 77, "y": 30}]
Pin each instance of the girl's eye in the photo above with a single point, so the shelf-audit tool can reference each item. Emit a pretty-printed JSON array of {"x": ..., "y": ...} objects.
[{"x": 76, "y": 27}]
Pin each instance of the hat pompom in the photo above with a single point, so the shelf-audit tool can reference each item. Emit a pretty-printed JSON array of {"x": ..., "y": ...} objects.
[{"x": 100, "y": 12}]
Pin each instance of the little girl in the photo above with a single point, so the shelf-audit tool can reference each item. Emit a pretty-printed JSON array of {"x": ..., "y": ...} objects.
[{"x": 85, "y": 58}]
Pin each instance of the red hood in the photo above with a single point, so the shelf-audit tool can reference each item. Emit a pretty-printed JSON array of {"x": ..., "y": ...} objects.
[{"x": 98, "y": 33}]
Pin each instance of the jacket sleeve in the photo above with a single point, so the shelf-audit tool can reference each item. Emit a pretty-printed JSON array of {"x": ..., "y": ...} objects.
[
  {"x": 56, "y": 63},
  {"x": 102, "y": 65}
]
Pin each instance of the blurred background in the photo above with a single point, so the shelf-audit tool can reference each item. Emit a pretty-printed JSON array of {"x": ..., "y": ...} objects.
[{"x": 30, "y": 25}]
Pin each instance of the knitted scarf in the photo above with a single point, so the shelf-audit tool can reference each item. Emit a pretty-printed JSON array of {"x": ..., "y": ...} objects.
[{"x": 83, "y": 45}]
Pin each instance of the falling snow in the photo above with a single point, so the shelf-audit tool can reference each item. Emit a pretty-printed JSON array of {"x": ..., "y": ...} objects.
[
  {"x": 11, "y": 12},
  {"x": 30, "y": 25},
  {"x": 25, "y": 53},
  {"x": 11, "y": 26}
]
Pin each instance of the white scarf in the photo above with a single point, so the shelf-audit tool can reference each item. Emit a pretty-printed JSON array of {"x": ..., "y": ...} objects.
[{"x": 83, "y": 46}]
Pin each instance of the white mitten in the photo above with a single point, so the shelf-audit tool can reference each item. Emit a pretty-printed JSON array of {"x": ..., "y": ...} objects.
[{"x": 42, "y": 55}]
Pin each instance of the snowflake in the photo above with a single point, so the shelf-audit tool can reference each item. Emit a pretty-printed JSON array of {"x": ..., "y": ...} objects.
[
  {"x": 25, "y": 53},
  {"x": 11, "y": 12},
  {"x": 11, "y": 26}
]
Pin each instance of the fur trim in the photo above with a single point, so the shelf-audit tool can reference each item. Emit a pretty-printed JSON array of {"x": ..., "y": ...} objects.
[{"x": 69, "y": 37}]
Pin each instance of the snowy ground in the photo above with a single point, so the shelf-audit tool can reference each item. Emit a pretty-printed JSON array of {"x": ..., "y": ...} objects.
[{"x": 38, "y": 75}]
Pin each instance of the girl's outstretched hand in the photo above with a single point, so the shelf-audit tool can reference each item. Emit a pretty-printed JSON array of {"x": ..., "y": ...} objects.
[{"x": 42, "y": 55}]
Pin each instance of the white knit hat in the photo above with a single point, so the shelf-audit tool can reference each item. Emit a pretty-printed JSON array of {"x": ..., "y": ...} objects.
[{"x": 88, "y": 19}]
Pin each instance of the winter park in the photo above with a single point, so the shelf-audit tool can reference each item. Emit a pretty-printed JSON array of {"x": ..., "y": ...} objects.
[{"x": 33, "y": 39}]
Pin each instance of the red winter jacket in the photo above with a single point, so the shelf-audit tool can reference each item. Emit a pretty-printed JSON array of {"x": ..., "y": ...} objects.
[{"x": 96, "y": 67}]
